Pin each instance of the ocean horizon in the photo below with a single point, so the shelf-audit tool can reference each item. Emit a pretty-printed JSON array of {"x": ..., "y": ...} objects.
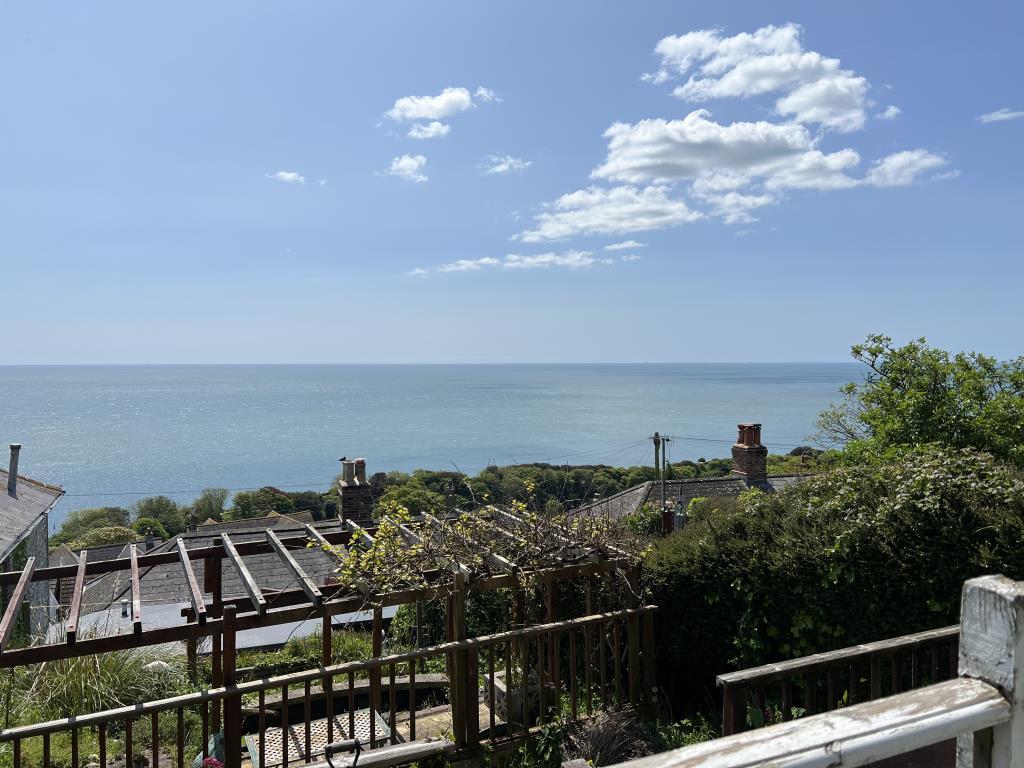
[{"x": 111, "y": 434}]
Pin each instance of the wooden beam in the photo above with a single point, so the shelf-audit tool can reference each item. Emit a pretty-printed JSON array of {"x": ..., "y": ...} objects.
[
  {"x": 11, "y": 614},
  {"x": 357, "y": 530},
  {"x": 76, "y": 599},
  {"x": 318, "y": 537},
  {"x": 195, "y": 596},
  {"x": 462, "y": 568},
  {"x": 248, "y": 582},
  {"x": 133, "y": 556},
  {"x": 305, "y": 583}
]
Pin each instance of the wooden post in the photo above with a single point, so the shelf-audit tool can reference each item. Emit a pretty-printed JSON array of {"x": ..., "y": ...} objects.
[
  {"x": 326, "y": 658},
  {"x": 457, "y": 661},
  {"x": 213, "y": 584},
  {"x": 378, "y": 651},
  {"x": 992, "y": 650},
  {"x": 734, "y": 709},
  {"x": 232, "y": 704}
]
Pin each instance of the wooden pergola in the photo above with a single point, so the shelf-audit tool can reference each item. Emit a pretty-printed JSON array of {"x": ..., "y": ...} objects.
[{"x": 612, "y": 658}]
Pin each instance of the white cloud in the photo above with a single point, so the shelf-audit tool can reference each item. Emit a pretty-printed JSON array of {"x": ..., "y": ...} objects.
[
  {"x": 816, "y": 88},
  {"x": 448, "y": 102},
  {"x": 630, "y": 257},
  {"x": 625, "y": 245},
  {"x": 901, "y": 169},
  {"x": 1000, "y": 115},
  {"x": 815, "y": 170},
  {"x": 616, "y": 211},
  {"x": 484, "y": 95},
  {"x": 288, "y": 177},
  {"x": 417, "y": 272},
  {"x": 571, "y": 259},
  {"x": 735, "y": 207},
  {"x": 889, "y": 113},
  {"x": 673, "y": 150},
  {"x": 322, "y": 182},
  {"x": 504, "y": 164},
  {"x": 468, "y": 265},
  {"x": 409, "y": 167},
  {"x": 431, "y": 130},
  {"x": 953, "y": 173}
]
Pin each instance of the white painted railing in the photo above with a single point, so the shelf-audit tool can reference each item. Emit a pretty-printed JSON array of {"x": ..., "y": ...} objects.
[{"x": 983, "y": 708}]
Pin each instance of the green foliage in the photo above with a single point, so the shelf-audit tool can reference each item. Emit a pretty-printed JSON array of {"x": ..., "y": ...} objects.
[
  {"x": 916, "y": 394},
  {"x": 646, "y": 521},
  {"x": 848, "y": 556},
  {"x": 305, "y": 652},
  {"x": 163, "y": 509},
  {"x": 80, "y": 521},
  {"x": 413, "y": 496},
  {"x": 150, "y": 525},
  {"x": 209, "y": 505},
  {"x": 98, "y": 537},
  {"x": 259, "y": 503}
]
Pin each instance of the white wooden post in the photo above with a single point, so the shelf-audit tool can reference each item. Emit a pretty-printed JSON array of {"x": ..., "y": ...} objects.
[{"x": 992, "y": 650}]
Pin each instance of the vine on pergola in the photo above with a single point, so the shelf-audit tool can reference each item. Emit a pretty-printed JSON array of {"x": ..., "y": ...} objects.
[{"x": 408, "y": 553}]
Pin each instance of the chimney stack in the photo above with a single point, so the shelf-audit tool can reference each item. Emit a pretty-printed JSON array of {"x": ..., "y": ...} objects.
[
  {"x": 749, "y": 457},
  {"x": 12, "y": 470},
  {"x": 356, "y": 500}
]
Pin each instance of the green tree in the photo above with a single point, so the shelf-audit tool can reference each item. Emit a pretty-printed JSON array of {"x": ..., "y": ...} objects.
[
  {"x": 916, "y": 394},
  {"x": 80, "y": 521},
  {"x": 161, "y": 508},
  {"x": 414, "y": 497},
  {"x": 150, "y": 525},
  {"x": 98, "y": 537},
  {"x": 209, "y": 504},
  {"x": 261, "y": 503}
]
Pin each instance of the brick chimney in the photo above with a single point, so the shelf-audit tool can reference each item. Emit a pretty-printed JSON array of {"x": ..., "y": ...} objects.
[
  {"x": 356, "y": 501},
  {"x": 749, "y": 457}
]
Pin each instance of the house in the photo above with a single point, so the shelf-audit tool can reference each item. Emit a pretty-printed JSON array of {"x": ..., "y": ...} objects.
[
  {"x": 749, "y": 470},
  {"x": 25, "y": 506}
]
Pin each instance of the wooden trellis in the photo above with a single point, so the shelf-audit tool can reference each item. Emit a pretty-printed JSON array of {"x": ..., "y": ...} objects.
[{"x": 612, "y": 658}]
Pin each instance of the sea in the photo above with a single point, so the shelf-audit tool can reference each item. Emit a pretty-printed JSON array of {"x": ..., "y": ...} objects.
[{"x": 110, "y": 435}]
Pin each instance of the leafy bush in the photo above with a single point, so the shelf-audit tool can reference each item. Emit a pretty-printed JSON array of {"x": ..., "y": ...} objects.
[
  {"x": 163, "y": 509},
  {"x": 259, "y": 503},
  {"x": 847, "y": 556},
  {"x": 99, "y": 537},
  {"x": 646, "y": 521},
  {"x": 150, "y": 525},
  {"x": 81, "y": 521}
]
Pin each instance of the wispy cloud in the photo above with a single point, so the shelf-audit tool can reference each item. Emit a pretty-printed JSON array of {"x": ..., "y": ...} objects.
[
  {"x": 630, "y": 257},
  {"x": 468, "y": 265},
  {"x": 483, "y": 94},
  {"x": 409, "y": 167},
  {"x": 427, "y": 112},
  {"x": 288, "y": 177},
  {"x": 503, "y": 165},
  {"x": 889, "y": 113},
  {"x": 1001, "y": 115},
  {"x": 571, "y": 259},
  {"x": 417, "y": 272},
  {"x": 625, "y": 245}
]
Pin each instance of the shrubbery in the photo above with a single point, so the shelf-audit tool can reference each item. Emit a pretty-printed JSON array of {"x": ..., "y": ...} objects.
[{"x": 848, "y": 556}]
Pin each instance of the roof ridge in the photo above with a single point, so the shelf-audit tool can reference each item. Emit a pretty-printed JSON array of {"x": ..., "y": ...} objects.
[{"x": 35, "y": 482}]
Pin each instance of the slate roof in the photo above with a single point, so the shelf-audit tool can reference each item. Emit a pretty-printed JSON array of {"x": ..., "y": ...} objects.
[
  {"x": 20, "y": 513},
  {"x": 166, "y": 584},
  {"x": 680, "y": 493},
  {"x": 273, "y": 520}
]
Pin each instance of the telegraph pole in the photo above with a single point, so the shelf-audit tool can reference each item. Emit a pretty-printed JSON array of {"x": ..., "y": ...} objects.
[{"x": 657, "y": 451}]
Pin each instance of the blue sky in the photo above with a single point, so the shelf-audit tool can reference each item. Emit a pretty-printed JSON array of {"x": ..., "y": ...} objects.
[{"x": 243, "y": 182}]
